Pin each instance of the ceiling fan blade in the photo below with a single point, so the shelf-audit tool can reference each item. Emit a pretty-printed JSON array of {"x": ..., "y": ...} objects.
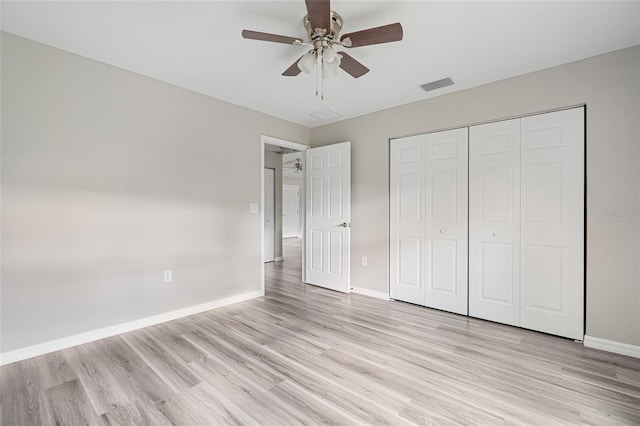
[
  {"x": 293, "y": 70},
  {"x": 319, "y": 12},
  {"x": 352, "y": 67},
  {"x": 377, "y": 35},
  {"x": 256, "y": 35}
]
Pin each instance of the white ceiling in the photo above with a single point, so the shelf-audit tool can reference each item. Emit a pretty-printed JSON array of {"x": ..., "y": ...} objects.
[{"x": 197, "y": 45}]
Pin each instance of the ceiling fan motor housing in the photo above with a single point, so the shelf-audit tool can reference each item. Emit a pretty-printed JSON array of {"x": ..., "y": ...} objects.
[{"x": 329, "y": 34}]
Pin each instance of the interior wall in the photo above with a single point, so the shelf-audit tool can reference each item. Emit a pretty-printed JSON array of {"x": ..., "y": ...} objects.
[
  {"x": 109, "y": 178},
  {"x": 609, "y": 85},
  {"x": 273, "y": 160}
]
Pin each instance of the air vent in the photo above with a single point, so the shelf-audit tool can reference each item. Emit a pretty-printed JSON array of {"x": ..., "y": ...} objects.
[
  {"x": 438, "y": 84},
  {"x": 326, "y": 114}
]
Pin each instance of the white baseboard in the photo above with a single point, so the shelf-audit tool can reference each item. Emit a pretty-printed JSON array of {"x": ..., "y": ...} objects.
[
  {"x": 278, "y": 259},
  {"x": 370, "y": 293},
  {"x": 102, "y": 333},
  {"x": 612, "y": 346}
]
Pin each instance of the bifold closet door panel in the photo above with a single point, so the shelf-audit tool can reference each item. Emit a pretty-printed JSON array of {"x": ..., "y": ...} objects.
[
  {"x": 553, "y": 223},
  {"x": 446, "y": 175},
  {"x": 494, "y": 221},
  {"x": 407, "y": 219}
]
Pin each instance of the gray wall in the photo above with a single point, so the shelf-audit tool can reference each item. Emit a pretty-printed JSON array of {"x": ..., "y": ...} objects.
[
  {"x": 273, "y": 160},
  {"x": 110, "y": 177},
  {"x": 610, "y": 87}
]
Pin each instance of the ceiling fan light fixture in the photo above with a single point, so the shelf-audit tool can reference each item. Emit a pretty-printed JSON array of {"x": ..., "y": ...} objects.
[
  {"x": 329, "y": 70},
  {"x": 330, "y": 67},
  {"x": 329, "y": 55},
  {"x": 308, "y": 62}
]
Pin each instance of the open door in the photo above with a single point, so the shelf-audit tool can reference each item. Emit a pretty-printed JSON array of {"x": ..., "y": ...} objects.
[{"x": 328, "y": 216}]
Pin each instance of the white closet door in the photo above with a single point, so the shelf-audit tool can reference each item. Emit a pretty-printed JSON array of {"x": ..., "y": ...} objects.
[
  {"x": 446, "y": 184},
  {"x": 494, "y": 221},
  {"x": 407, "y": 219},
  {"x": 553, "y": 223}
]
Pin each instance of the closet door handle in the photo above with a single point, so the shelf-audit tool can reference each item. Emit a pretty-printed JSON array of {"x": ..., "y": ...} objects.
[{"x": 495, "y": 233}]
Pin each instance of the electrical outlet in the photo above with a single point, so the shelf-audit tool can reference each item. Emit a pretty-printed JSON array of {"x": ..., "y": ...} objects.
[
  {"x": 364, "y": 260},
  {"x": 168, "y": 276}
]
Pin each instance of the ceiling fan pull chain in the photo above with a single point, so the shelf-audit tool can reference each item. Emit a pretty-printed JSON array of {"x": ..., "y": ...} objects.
[
  {"x": 317, "y": 73},
  {"x": 321, "y": 72},
  {"x": 321, "y": 83}
]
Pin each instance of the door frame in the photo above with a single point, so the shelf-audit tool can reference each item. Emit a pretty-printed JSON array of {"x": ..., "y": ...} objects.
[
  {"x": 264, "y": 213},
  {"x": 264, "y": 139}
]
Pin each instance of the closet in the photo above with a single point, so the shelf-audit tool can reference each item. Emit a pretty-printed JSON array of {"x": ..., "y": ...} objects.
[{"x": 489, "y": 221}]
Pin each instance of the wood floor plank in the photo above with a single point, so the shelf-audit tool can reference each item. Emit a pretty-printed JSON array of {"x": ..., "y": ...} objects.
[
  {"x": 70, "y": 405},
  {"x": 253, "y": 401},
  {"x": 305, "y": 355},
  {"x": 104, "y": 391},
  {"x": 165, "y": 364},
  {"x": 22, "y": 386},
  {"x": 126, "y": 415}
]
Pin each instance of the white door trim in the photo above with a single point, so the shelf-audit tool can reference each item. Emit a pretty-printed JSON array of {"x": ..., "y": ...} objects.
[
  {"x": 264, "y": 139},
  {"x": 269, "y": 212}
]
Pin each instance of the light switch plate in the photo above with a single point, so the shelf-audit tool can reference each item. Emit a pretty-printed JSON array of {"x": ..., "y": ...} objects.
[{"x": 254, "y": 208}]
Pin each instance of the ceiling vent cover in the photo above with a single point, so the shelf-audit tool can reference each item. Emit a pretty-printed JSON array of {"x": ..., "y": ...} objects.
[
  {"x": 326, "y": 114},
  {"x": 438, "y": 84}
]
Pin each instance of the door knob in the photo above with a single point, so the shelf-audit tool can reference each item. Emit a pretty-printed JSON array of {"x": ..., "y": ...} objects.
[
  {"x": 343, "y": 225},
  {"x": 495, "y": 233},
  {"x": 442, "y": 231}
]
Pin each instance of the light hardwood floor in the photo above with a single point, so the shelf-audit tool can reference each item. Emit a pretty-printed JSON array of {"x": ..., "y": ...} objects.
[{"x": 302, "y": 354}]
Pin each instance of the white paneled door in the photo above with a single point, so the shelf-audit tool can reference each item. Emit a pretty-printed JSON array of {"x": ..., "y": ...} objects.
[
  {"x": 269, "y": 215},
  {"x": 446, "y": 184},
  {"x": 552, "y": 271},
  {"x": 290, "y": 215},
  {"x": 428, "y": 243},
  {"x": 408, "y": 223},
  {"x": 328, "y": 216},
  {"x": 494, "y": 221}
]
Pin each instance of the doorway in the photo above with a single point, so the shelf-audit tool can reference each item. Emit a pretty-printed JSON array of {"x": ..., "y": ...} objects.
[{"x": 285, "y": 159}]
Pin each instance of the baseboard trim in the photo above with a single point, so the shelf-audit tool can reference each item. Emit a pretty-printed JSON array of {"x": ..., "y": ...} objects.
[
  {"x": 102, "y": 333},
  {"x": 612, "y": 346},
  {"x": 370, "y": 293},
  {"x": 278, "y": 259}
]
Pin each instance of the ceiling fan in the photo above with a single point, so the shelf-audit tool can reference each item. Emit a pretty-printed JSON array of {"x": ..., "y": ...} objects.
[
  {"x": 323, "y": 27},
  {"x": 295, "y": 167}
]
